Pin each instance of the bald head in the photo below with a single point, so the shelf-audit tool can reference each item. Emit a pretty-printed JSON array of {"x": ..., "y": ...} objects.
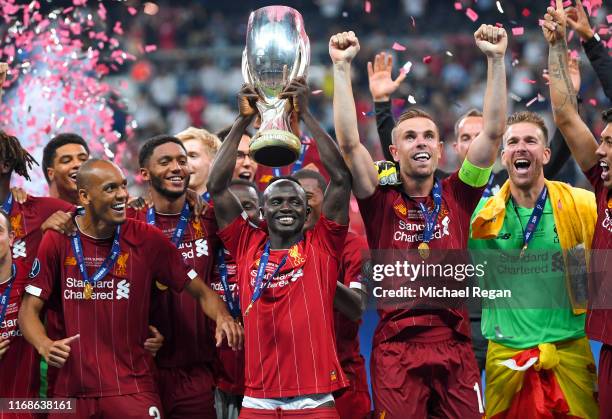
[{"x": 93, "y": 170}]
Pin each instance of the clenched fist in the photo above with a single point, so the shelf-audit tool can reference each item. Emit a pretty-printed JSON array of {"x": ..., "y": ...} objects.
[
  {"x": 491, "y": 40},
  {"x": 343, "y": 47}
]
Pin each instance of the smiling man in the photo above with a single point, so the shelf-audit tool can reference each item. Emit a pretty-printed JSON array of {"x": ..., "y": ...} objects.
[
  {"x": 101, "y": 281},
  {"x": 185, "y": 361},
  {"x": 288, "y": 281},
  {"x": 533, "y": 214},
  {"x": 438, "y": 215}
]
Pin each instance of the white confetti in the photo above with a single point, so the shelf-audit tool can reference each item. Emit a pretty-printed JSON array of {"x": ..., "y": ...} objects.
[
  {"x": 514, "y": 97},
  {"x": 499, "y": 7},
  {"x": 411, "y": 99},
  {"x": 407, "y": 67},
  {"x": 450, "y": 54}
]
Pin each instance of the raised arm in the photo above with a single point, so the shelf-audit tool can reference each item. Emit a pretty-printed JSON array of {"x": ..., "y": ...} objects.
[
  {"x": 342, "y": 49},
  {"x": 338, "y": 193},
  {"x": 3, "y": 72},
  {"x": 382, "y": 86},
  {"x": 595, "y": 50},
  {"x": 565, "y": 110},
  {"x": 227, "y": 206},
  {"x": 493, "y": 42}
]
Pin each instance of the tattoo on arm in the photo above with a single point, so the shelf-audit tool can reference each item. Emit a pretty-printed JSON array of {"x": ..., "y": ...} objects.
[{"x": 559, "y": 70}]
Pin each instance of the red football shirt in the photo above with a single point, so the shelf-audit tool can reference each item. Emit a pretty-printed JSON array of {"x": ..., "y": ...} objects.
[
  {"x": 289, "y": 333},
  {"x": 354, "y": 254},
  {"x": 19, "y": 368},
  {"x": 26, "y": 220},
  {"x": 229, "y": 371},
  {"x": 393, "y": 221},
  {"x": 599, "y": 322},
  {"x": 189, "y": 336},
  {"x": 109, "y": 359}
]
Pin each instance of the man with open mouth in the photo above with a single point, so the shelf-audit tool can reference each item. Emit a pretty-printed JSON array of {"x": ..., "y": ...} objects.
[
  {"x": 594, "y": 159},
  {"x": 544, "y": 319},
  {"x": 288, "y": 279},
  {"x": 425, "y": 213}
]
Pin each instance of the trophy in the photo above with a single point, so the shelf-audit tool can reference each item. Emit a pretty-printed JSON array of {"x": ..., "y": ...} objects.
[{"x": 277, "y": 51}]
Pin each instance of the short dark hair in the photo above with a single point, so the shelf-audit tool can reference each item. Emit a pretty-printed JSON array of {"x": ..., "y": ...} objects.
[
  {"x": 312, "y": 174},
  {"x": 279, "y": 178},
  {"x": 247, "y": 184},
  {"x": 532, "y": 118},
  {"x": 470, "y": 113},
  {"x": 413, "y": 112},
  {"x": 607, "y": 116},
  {"x": 12, "y": 152},
  {"x": 222, "y": 133},
  {"x": 56, "y": 142},
  {"x": 146, "y": 151}
]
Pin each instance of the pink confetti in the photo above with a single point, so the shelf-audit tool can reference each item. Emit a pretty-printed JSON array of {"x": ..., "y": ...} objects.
[
  {"x": 528, "y": 81},
  {"x": 472, "y": 15},
  {"x": 609, "y": 19},
  {"x": 132, "y": 11},
  {"x": 117, "y": 28},
  {"x": 79, "y": 2},
  {"x": 603, "y": 31},
  {"x": 526, "y": 12},
  {"x": 593, "y": 102},
  {"x": 102, "y": 11},
  {"x": 317, "y": 92},
  {"x": 458, "y": 5},
  {"x": 368, "y": 6},
  {"x": 150, "y": 48},
  {"x": 531, "y": 101},
  {"x": 518, "y": 31},
  {"x": 427, "y": 59},
  {"x": 574, "y": 55},
  {"x": 398, "y": 47},
  {"x": 570, "y": 36}
]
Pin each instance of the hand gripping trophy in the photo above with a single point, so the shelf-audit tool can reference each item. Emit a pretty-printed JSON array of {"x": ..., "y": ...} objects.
[{"x": 277, "y": 51}]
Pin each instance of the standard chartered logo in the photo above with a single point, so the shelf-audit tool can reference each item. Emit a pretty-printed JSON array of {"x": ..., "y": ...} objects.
[
  {"x": 201, "y": 247},
  {"x": 123, "y": 289},
  {"x": 19, "y": 249}
]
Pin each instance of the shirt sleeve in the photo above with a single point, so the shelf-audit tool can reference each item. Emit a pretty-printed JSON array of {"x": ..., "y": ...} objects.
[
  {"x": 355, "y": 256},
  {"x": 169, "y": 267},
  {"x": 45, "y": 271},
  {"x": 330, "y": 236},
  {"x": 237, "y": 235}
]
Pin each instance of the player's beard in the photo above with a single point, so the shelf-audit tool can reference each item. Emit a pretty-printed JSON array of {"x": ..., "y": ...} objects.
[{"x": 157, "y": 184}]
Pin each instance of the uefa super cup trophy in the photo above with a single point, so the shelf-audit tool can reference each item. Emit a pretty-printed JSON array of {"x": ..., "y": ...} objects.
[{"x": 277, "y": 51}]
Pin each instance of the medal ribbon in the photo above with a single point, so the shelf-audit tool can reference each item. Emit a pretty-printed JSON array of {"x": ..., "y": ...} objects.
[
  {"x": 5, "y": 299},
  {"x": 233, "y": 304},
  {"x": 206, "y": 196},
  {"x": 260, "y": 284},
  {"x": 107, "y": 265},
  {"x": 487, "y": 192},
  {"x": 7, "y": 206},
  {"x": 179, "y": 231},
  {"x": 534, "y": 219},
  {"x": 432, "y": 217}
]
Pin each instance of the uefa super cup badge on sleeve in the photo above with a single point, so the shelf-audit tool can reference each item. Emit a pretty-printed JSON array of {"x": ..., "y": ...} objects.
[{"x": 277, "y": 51}]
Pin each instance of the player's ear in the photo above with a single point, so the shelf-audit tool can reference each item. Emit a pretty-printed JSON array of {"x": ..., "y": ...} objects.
[
  {"x": 144, "y": 173},
  {"x": 83, "y": 197}
]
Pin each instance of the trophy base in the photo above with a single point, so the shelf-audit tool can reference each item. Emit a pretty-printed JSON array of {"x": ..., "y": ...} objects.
[{"x": 275, "y": 148}]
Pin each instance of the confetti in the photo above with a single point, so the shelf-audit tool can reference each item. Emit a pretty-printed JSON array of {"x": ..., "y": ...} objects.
[
  {"x": 398, "y": 47},
  {"x": 603, "y": 31},
  {"x": 132, "y": 11},
  {"x": 458, "y": 5},
  {"x": 471, "y": 14},
  {"x": 344, "y": 14},
  {"x": 526, "y": 12},
  {"x": 450, "y": 54},
  {"x": 413, "y": 22},
  {"x": 609, "y": 19},
  {"x": 317, "y": 92},
  {"x": 406, "y": 67},
  {"x": 150, "y": 48},
  {"x": 499, "y": 6},
  {"x": 528, "y": 81},
  {"x": 411, "y": 99},
  {"x": 427, "y": 59},
  {"x": 514, "y": 97},
  {"x": 518, "y": 31},
  {"x": 593, "y": 102},
  {"x": 528, "y": 104},
  {"x": 368, "y": 6},
  {"x": 567, "y": 3}
]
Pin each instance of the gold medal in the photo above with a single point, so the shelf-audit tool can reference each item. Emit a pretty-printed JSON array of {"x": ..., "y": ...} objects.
[
  {"x": 424, "y": 250},
  {"x": 88, "y": 291}
]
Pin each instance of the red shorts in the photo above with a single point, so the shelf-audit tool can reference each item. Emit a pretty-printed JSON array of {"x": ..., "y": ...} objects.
[
  {"x": 425, "y": 380},
  {"x": 137, "y": 405},
  {"x": 318, "y": 413},
  {"x": 604, "y": 382},
  {"x": 187, "y": 392},
  {"x": 352, "y": 404}
]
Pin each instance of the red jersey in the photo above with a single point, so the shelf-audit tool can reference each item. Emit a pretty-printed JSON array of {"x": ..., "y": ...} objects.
[
  {"x": 289, "y": 332},
  {"x": 19, "y": 367},
  {"x": 354, "y": 254},
  {"x": 229, "y": 371},
  {"x": 311, "y": 155},
  {"x": 394, "y": 221},
  {"x": 599, "y": 321},
  {"x": 26, "y": 220},
  {"x": 189, "y": 336},
  {"x": 109, "y": 358}
]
